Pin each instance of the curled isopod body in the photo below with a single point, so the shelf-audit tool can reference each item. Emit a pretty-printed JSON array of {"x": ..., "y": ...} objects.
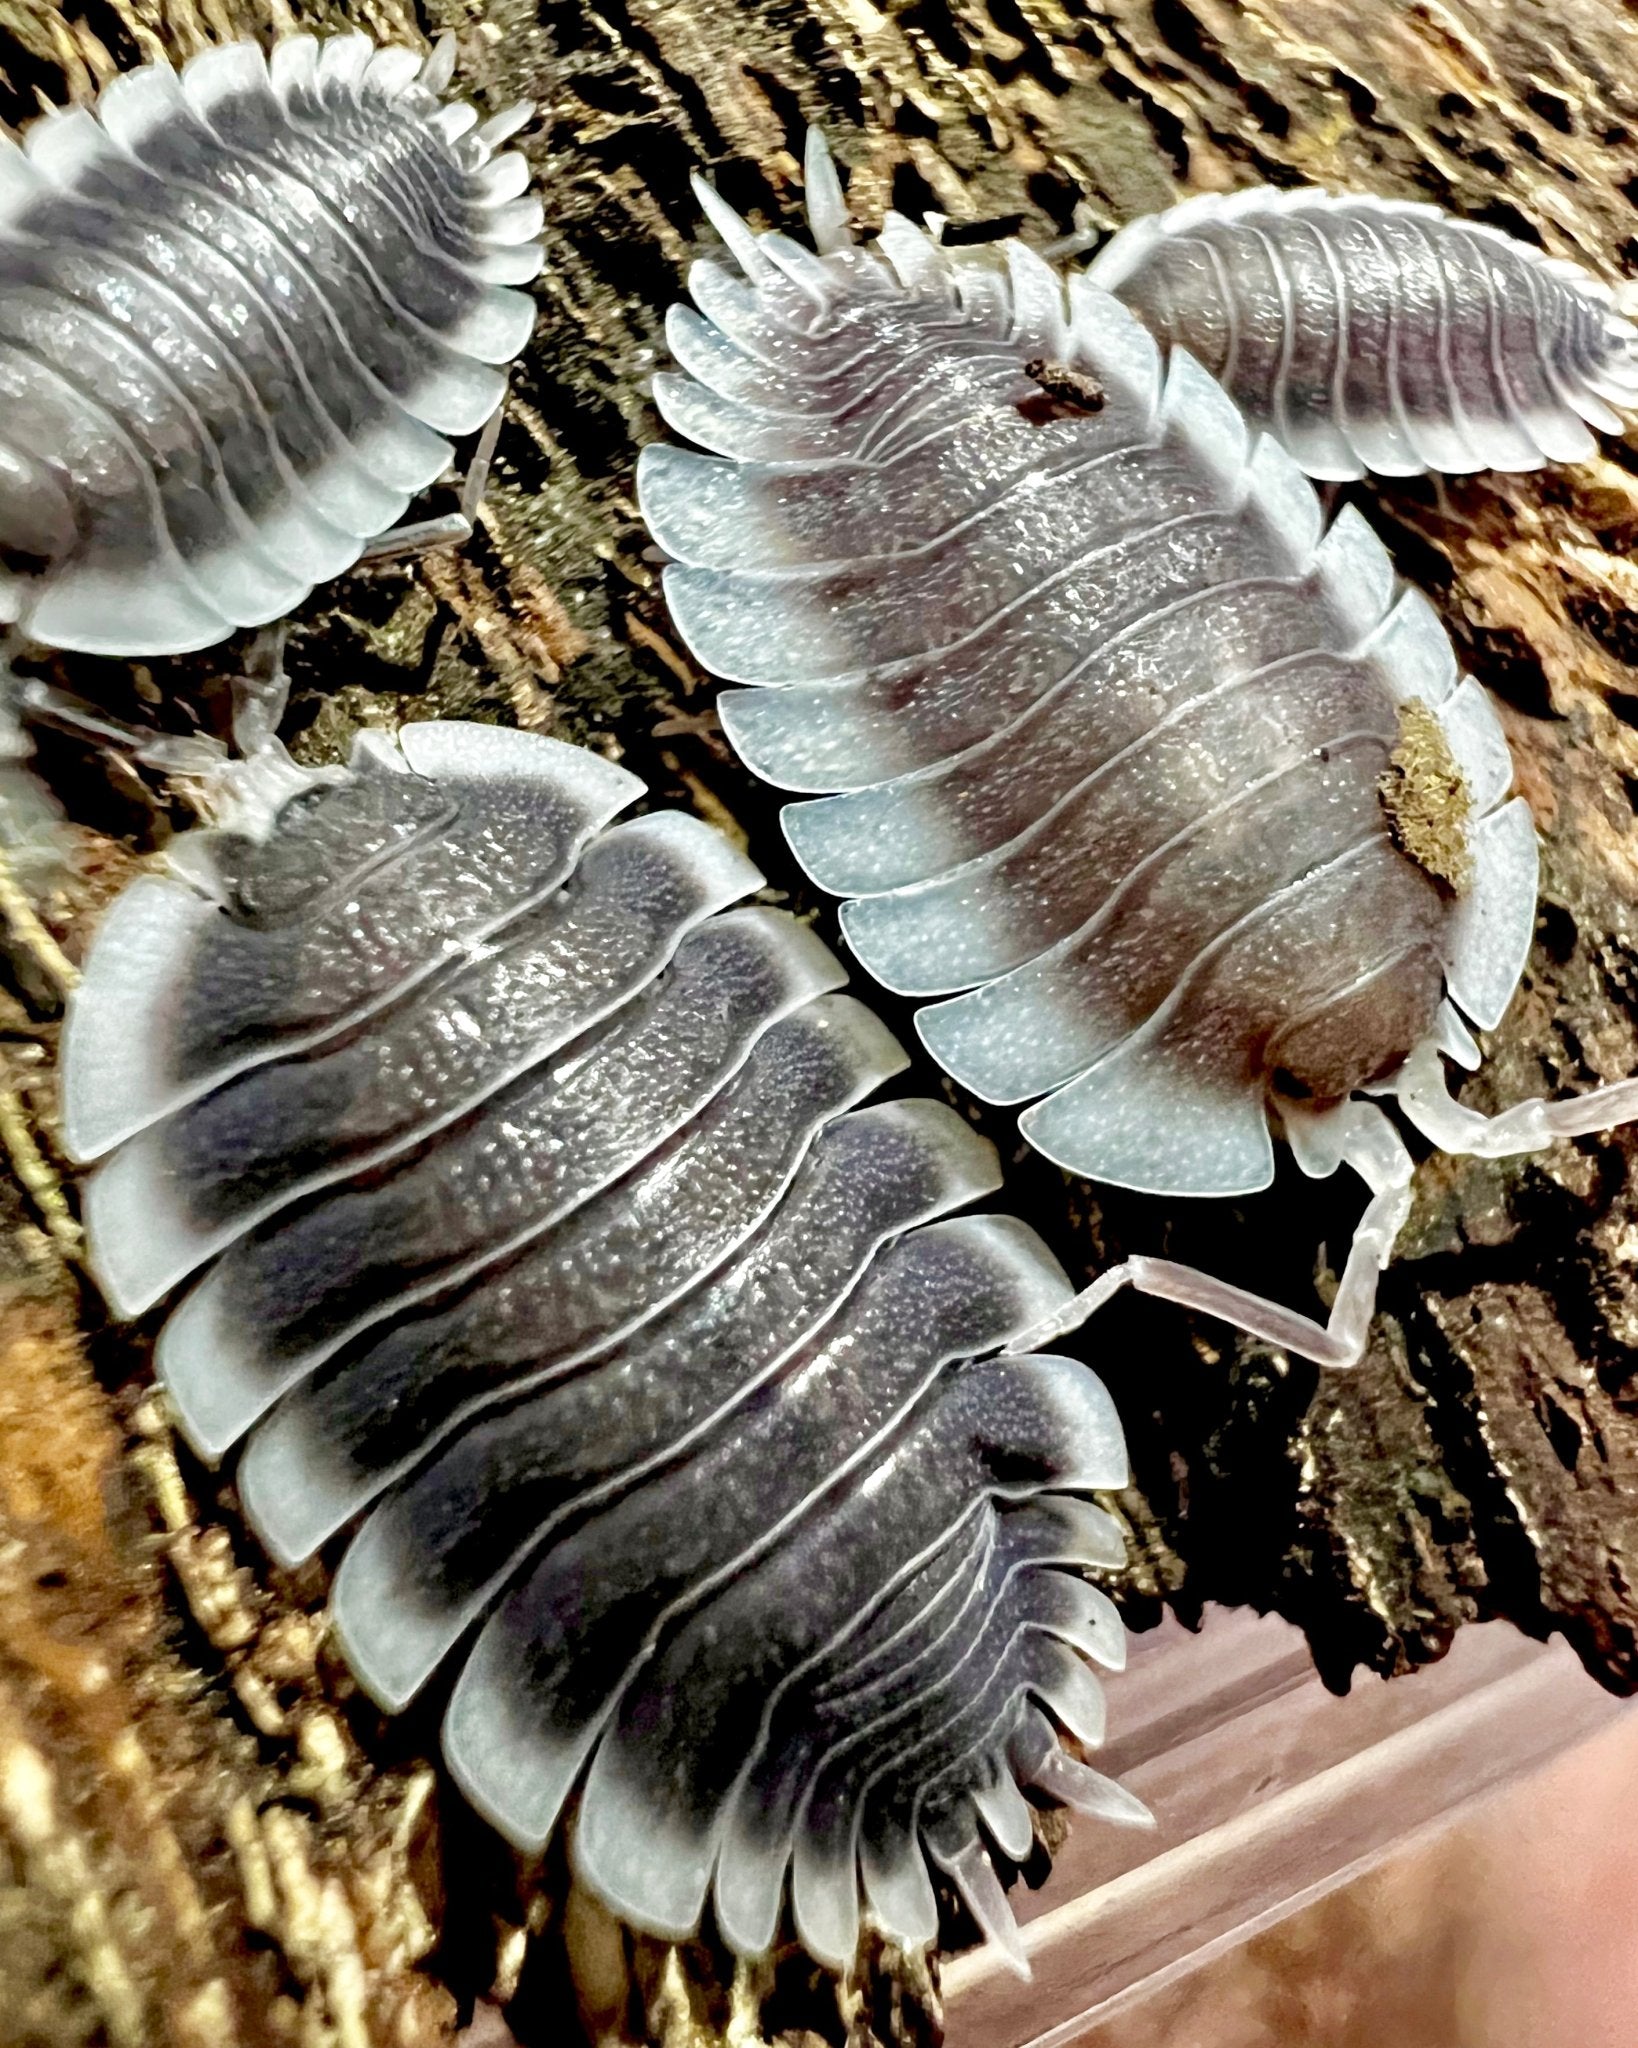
[
  {"x": 1175, "y": 797},
  {"x": 535, "y": 1220},
  {"x": 243, "y": 307},
  {"x": 1375, "y": 334}
]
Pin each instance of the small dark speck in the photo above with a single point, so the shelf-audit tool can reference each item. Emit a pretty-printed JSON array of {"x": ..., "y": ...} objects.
[
  {"x": 1064, "y": 392},
  {"x": 960, "y": 234},
  {"x": 1556, "y": 930},
  {"x": 1553, "y": 107}
]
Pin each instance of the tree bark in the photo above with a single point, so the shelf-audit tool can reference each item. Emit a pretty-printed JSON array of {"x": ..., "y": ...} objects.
[{"x": 204, "y": 1834}]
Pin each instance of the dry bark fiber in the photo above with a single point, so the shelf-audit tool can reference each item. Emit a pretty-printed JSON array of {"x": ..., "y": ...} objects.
[{"x": 204, "y": 1836}]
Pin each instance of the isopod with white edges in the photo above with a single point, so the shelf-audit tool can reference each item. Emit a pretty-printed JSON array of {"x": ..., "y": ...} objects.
[
  {"x": 1381, "y": 334},
  {"x": 1170, "y": 795},
  {"x": 537, "y": 1230},
  {"x": 245, "y": 310}
]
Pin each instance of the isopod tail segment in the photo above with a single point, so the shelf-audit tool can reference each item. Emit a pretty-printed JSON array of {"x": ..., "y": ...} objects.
[{"x": 1022, "y": 665}]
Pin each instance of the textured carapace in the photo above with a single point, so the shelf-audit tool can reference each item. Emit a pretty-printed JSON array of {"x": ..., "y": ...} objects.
[
  {"x": 534, "y": 1218},
  {"x": 1110, "y": 713},
  {"x": 241, "y": 309},
  {"x": 1376, "y": 334}
]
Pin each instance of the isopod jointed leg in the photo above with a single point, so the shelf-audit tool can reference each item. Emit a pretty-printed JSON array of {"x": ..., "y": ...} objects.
[
  {"x": 1364, "y": 1140},
  {"x": 1527, "y": 1127},
  {"x": 422, "y": 535}
]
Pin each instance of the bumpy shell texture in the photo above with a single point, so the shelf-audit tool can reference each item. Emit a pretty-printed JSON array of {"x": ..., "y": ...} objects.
[
  {"x": 534, "y": 1216},
  {"x": 1374, "y": 334},
  {"x": 1108, "y": 711},
  {"x": 241, "y": 310}
]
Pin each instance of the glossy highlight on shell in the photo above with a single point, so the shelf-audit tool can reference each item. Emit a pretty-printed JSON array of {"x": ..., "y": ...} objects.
[
  {"x": 1375, "y": 334},
  {"x": 1105, "y": 708},
  {"x": 244, "y": 308},
  {"x": 532, "y": 1210}
]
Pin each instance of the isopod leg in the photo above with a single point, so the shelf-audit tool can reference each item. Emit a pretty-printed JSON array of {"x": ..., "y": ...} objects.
[
  {"x": 261, "y": 690},
  {"x": 1361, "y": 1137},
  {"x": 1424, "y": 1095},
  {"x": 1341, "y": 1339},
  {"x": 33, "y": 848},
  {"x": 422, "y": 535},
  {"x": 1081, "y": 243},
  {"x": 186, "y": 754}
]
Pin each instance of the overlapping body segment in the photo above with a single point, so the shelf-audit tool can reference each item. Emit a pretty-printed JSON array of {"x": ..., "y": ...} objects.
[
  {"x": 540, "y": 1221},
  {"x": 1121, "y": 737},
  {"x": 242, "y": 307},
  {"x": 1372, "y": 334}
]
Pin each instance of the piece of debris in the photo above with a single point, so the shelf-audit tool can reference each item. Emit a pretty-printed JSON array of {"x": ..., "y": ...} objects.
[
  {"x": 1064, "y": 392},
  {"x": 1427, "y": 800}
]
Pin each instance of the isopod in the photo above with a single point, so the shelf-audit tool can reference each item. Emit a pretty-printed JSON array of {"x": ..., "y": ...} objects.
[
  {"x": 1376, "y": 334},
  {"x": 1175, "y": 796},
  {"x": 536, "y": 1218},
  {"x": 243, "y": 307}
]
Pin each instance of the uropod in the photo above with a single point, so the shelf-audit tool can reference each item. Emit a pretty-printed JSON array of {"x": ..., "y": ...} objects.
[
  {"x": 1171, "y": 793},
  {"x": 535, "y": 1220},
  {"x": 244, "y": 310}
]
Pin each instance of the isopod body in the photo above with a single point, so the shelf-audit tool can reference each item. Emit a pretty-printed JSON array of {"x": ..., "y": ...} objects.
[
  {"x": 534, "y": 1213},
  {"x": 1375, "y": 334},
  {"x": 243, "y": 308},
  {"x": 1117, "y": 730}
]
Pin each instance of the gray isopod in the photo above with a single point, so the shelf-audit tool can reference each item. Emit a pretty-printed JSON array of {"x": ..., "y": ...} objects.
[
  {"x": 242, "y": 309},
  {"x": 1378, "y": 334},
  {"x": 536, "y": 1220},
  {"x": 1176, "y": 798}
]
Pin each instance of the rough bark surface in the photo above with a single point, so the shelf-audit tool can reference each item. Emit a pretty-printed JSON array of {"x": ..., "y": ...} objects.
[{"x": 205, "y": 1836}]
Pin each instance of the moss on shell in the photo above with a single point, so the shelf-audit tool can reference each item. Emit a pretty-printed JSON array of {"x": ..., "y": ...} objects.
[{"x": 1427, "y": 801}]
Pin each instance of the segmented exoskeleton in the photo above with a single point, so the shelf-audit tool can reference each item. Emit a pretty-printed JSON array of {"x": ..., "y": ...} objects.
[
  {"x": 241, "y": 309},
  {"x": 1380, "y": 334},
  {"x": 1182, "y": 789},
  {"x": 536, "y": 1220}
]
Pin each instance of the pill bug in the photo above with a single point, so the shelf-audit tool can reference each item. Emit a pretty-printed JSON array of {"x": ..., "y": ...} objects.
[
  {"x": 535, "y": 1212},
  {"x": 242, "y": 309},
  {"x": 1380, "y": 334},
  {"x": 1173, "y": 794}
]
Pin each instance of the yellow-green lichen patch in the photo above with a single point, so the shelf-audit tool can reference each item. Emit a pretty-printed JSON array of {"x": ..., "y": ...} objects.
[{"x": 1426, "y": 799}]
